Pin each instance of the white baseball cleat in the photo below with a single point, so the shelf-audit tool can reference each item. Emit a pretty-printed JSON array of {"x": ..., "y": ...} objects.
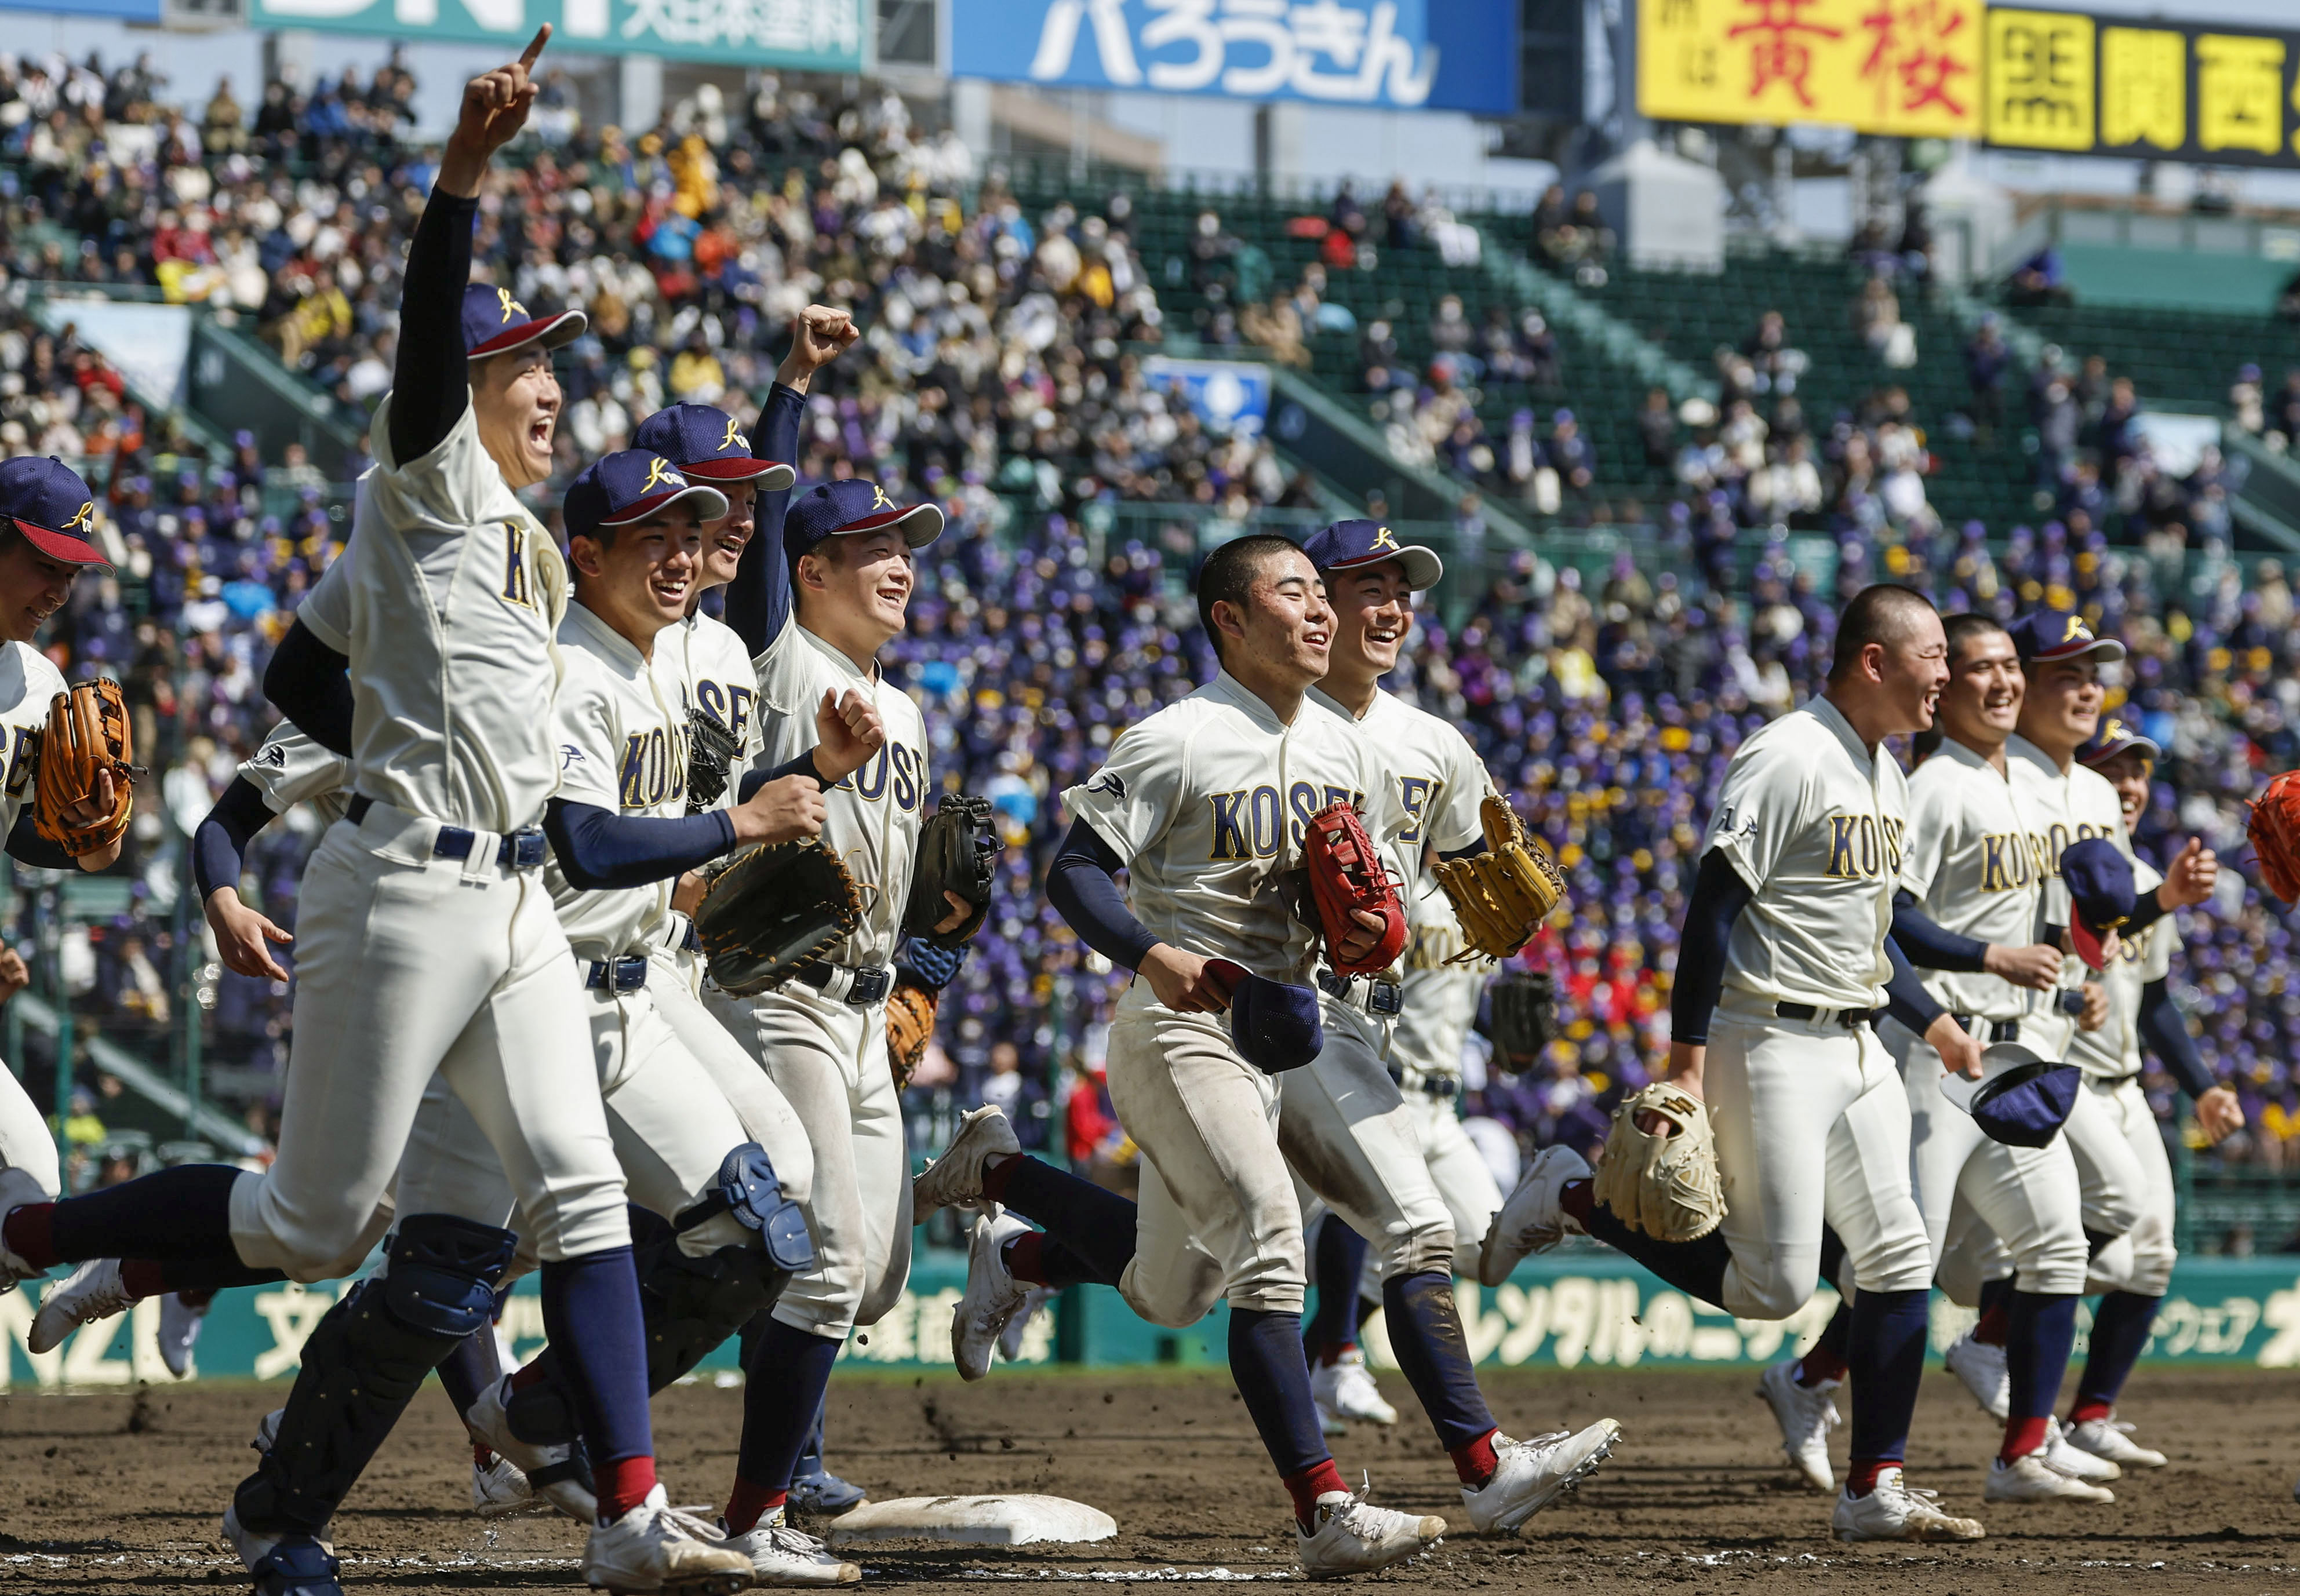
[
  {"x": 2077, "y": 1463},
  {"x": 1894, "y": 1512},
  {"x": 1353, "y": 1536},
  {"x": 2112, "y": 1439},
  {"x": 2030, "y": 1479},
  {"x": 782, "y": 1555},
  {"x": 180, "y": 1331},
  {"x": 1010, "y": 1339},
  {"x": 648, "y": 1549},
  {"x": 499, "y": 1488},
  {"x": 1530, "y": 1474},
  {"x": 92, "y": 1291},
  {"x": 1531, "y": 1220},
  {"x": 1344, "y": 1391},
  {"x": 1982, "y": 1370},
  {"x": 18, "y": 1189},
  {"x": 551, "y": 1471},
  {"x": 992, "y": 1296},
  {"x": 1806, "y": 1414},
  {"x": 956, "y": 1177}
]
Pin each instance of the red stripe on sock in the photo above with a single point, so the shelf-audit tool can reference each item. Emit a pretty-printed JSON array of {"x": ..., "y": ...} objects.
[
  {"x": 1475, "y": 1463},
  {"x": 2022, "y": 1437},
  {"x": 622, "y": 1484},
  {"x": 1306, "y": 1488},
  {"x": 1822, "y": 1363},
  {"x": 30, "y": 1233},
  {"x": 1990, "y": 1331},
  {"x": 749, "y": 1502},
  {"x": 1576, "y": 1198},
  {"x": 1024, "y": 1257},
  {"x": 1861, "y": 1479},
  {"x": 995, "y": 1176},
  {"x": 2085, "y": 1411},
  {"x": 141, "y": 1277},
  {"x": 1331, "y": 1353}
]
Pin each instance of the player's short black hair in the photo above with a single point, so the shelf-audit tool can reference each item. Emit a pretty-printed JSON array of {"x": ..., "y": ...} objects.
[
  {"x": 1230, "y": 570},
  {"x": 1962, "y": 628},
  {"x": 1878, "y": 613}
]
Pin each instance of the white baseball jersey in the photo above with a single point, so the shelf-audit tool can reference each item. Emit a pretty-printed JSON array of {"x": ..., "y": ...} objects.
[
  {"x": 1435, "y": 783},
  {"x": 1815, "y": 824},
  {"x": 714, "y": 675},
  {"x": 1441, "y": 999},
  {"x": 1205, "y": 800},
  {"x": 29, "y": 683},
  {"x": 2113, "y": 1052},
  {"x": 288, "y": 769},
  {"x": 872, "y": 819},
  {"x": 623, "y": 744},
  {"x": 1971, "y": 868},
  {"x": 446, "y": 599},
  {"x": 2065, "y": 806}
]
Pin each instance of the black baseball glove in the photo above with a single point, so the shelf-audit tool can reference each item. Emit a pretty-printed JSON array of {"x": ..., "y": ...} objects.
[
  {"x": 1524, "y": 1019},
  {"x": 958, "y": 852},
  {"x": 712, "y": 751},
  {"x": 773, "y": 911}
]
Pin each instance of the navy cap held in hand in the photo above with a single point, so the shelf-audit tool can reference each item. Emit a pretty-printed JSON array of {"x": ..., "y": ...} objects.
[{"x": 2101, "y": 894}]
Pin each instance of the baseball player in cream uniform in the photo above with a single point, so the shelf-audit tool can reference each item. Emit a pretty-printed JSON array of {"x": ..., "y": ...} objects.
[{"x": 1788, "y": 939}]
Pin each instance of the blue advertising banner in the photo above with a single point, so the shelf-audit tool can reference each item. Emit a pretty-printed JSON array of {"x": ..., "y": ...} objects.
[
  {"x": 1229, "y": 396},
  {"x": 1398, "y": 55},
  {"x": 825, "y": 36},
  {"x": 127, "y": 11}
]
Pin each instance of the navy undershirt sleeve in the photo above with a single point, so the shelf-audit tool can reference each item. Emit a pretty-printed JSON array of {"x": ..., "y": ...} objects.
[
  {"x": 2167, "y": 1035},
  {"x": 1080, "y": 888},
  {"x": 803, "y": 765},
  {"x": 1905, "y": 997},
  {"x": 601, "y": 850},
  {"x": 1924, "y": 942},
  {"x": 431, "y": 379},
  {"x": 758, "y": 598},
  {"x": 312, "y": 685},
  {"x": 2145, "y": 912},
  {"x": 26, "y": 845},
  {"x": 221, "y": 844},
  {"x": 1719, "y": 896}
]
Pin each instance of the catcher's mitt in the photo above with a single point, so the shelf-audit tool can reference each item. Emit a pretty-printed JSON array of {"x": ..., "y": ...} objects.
[
  {"x": 958, "y": 852},
  {"x": 772, "y": 911},
  {"x": 1502, "y": 895},
  {"x": 1346, "y": 873},
  {"x": 87, "y": 732},
  {"x": 2275, "y": 831},
  {"x": 1525, "y": 1018},
  {"x": 910, "y": 1026},
  {"x": 1666, "y": 1184},
  {"x": 712, "y": 751}
]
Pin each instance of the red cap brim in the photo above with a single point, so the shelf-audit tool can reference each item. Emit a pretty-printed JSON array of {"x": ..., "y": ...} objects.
[
  {"x": 552, "y": 332},
  {"x": 62, "y": 545},
  {"x": 771, "y": 475},
  {"x": 638, "y": 510},
  {"x": 2088, "y": 942}
]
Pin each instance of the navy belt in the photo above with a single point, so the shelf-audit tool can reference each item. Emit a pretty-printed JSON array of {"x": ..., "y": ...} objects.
[
  {"x": 1989, "y": 1030},
  {"x": 1852, "y": 1019},
  {"x": 858, "y": 988},
  {"x": 1429, "y": 1085},
  {"x": 692, "y": 943},
  {"x": 616, "y": 975},
  {"x": 518, "y": 850},
  {"x": 1382, "y": 997}
]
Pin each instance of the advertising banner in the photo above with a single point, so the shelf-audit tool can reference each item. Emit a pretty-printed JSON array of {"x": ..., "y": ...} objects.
[
  {"x": 1910, "y": 68},
  {"x": 829, "y": 36}
]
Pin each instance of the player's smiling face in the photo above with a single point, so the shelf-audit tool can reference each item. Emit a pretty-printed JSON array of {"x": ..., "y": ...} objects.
[
  {"x": 1286, "y": 631},
  {"x": 1914, "y": 671},
  {"x": 1981, "y": 703},
  {"x": 2128, "y": 772},
  {"x": 638, "y": 583},
  {"x": 1373, "y": 613},
  {"x": 855, "y": 588},
  {"x": 517, "y": 400},
  {"x": 2062, "y": 708},
  {"x": 723, "y": 539},
  {"x": 32, "y": 587}
]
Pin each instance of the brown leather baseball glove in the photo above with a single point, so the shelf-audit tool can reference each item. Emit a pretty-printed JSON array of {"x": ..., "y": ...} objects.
[{"x": 86, "y": 735}]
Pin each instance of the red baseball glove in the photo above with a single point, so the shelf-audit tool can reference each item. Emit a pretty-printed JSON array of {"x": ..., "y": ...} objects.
[
  {"x": 1346, "y": 873},
  {"x": 2275, "y": 830}
]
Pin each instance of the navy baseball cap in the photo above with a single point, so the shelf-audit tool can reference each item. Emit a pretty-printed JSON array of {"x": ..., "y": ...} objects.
[
  {"x": 51, "y": 507},
  {"x": 1274, "y": 1023},
  {"x": 708, "y": 445},
  {"x": 494, "y": 322},
  {"x": 1346, "y": 545},
  {"x": 840, "y": 509},
  {"x": 2117, "y": 736},
  {"x": 2020, "y": 1100},
  {"x": 2099, "y": 879},
  {"x": 630, "y": 486},
  {"x": 2044, "y": 636}
]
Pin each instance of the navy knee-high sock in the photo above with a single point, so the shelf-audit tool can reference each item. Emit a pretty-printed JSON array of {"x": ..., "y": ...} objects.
[
  {"x": 2119, "y": 1330},
  {"x": 1273, "y": 1380},
  {"x": 470, "y": 1369},
  {"x": 2039, "y": 1333},
  {"x": 1425, "y": 1332},
  {"x": 787, "y": 1373},
  {"x": 1096, "y": 1225},
  {"x": 1340, "y": 1256},
  {"x": 1695, "y": 1267},
  {"x": 184, "y": 1212},
  {"x": 591, "y": 1314},
  {"x": 1884, "y": 1354}
]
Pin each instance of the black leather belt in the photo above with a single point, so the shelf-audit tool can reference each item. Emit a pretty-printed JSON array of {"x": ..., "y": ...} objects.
[
  {"x": 616, "y": 975},
  {"x": 857, "y": 988},
  {"x": 518, "y": 850},
  {"x": 692, "y": 943},
  {"x": 1852, "y": 1019},
  {"x": 1382, "y": 997},
  {"x": 1989, "y": 1030},
  {"x": 1429, "y": 1085}
]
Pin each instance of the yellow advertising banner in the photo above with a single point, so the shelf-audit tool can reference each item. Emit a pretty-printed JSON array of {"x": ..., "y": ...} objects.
[{"x": 1905, "y": 68}]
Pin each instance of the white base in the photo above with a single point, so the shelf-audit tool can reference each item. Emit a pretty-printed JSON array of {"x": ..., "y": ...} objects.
[{"x": 983, "y": 1520}]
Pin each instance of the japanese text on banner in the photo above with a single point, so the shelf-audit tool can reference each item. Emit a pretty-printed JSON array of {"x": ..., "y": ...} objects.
[{"x": 1908, "y": 68}]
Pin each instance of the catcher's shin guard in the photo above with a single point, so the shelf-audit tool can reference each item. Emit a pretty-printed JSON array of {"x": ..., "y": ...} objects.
[
  {"x": 691, "y": 1304},
  {"x": 365, "y": 1361}
]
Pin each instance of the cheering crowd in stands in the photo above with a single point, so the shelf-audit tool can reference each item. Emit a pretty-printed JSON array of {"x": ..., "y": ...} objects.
[{"x": 1000, "y": 375}]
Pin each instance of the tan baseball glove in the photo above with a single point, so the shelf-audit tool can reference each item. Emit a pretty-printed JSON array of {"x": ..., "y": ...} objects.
[
  {"x": 1502, "y": 895},
  {"x": 1664, "y": 1184},
  {"x": 87, "y": 733},
  {"x": 910, "y": 1026}
]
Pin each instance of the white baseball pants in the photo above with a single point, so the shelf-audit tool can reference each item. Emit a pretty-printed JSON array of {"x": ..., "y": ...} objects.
[
  {"x": 2117, "y": 1141},
  {"x": 829, "y": 1062},
  {"x": 1777, "y": 1091},
  {"x": 410, "y": 966},
  {"x": 26, "y": 1142}
]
